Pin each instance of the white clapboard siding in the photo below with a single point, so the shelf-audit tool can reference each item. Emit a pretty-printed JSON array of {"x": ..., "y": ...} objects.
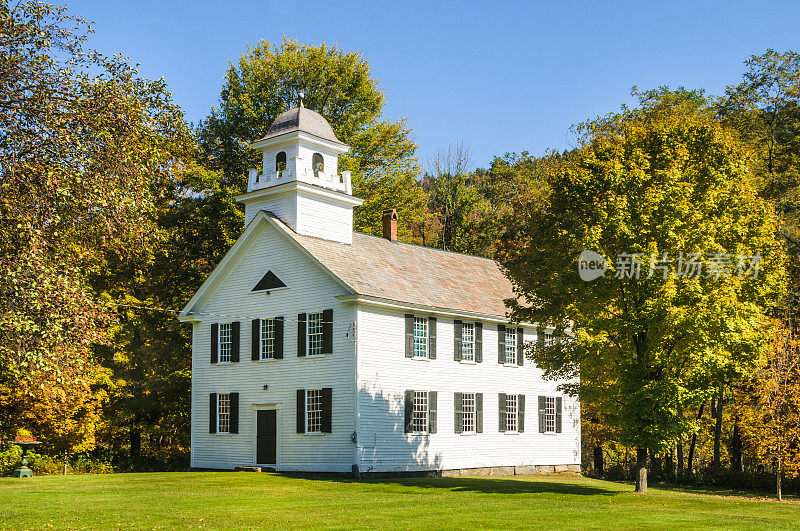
[
  {"x": 284, "y": 206},
  {"x": 309, "y": 290},
  {"x": 324, "y": 218},
  {"x": 384, "y": 374}
]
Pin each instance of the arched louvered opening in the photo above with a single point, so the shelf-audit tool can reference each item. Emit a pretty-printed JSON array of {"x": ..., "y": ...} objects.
[
  {"x": 280, "y": 161},
  {"x": 317, "y": 164}
]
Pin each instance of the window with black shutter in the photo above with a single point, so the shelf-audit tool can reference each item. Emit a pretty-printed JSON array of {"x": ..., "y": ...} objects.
[
  {"x": 234, "y": 413},
  {"x": 478, "y": 342},
  {"x": 235, "y": 329},
  {"x": 212, "y": 413},
  {"x": 458, "y": 330},
  {"x": 501, "y": 345},
  {"x": 214, "y": 343},
  {"x": 301, "y": 335},
  {"x": 520, "y": 346},
  {"x": 301, "y": 411},
  {"x": 327, "y": 331},
  {"x": 432, "y": 338},
  {"x": 327, "y": 409}
]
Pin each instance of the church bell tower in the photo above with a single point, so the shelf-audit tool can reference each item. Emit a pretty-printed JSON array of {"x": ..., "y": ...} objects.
[{"x": 299, "y": 180}]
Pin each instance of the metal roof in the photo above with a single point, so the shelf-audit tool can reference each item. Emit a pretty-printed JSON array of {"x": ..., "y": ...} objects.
[
  {"x": 302, "y": 119},
  {"x": 403, "y": 272}
]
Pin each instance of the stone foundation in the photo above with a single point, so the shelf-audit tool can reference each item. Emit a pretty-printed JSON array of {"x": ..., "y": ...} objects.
[{"x": 480, "y": 471}]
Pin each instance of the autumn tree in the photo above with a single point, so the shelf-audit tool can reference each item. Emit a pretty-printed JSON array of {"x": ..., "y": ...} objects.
[
  {"x": 267, "y": 80},
  {"x": 651, "y": 185},
  {"x": 87, "y": 149}
]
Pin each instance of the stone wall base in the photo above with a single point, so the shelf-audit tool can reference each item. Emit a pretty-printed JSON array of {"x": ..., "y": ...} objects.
[{"x": 480, "y": 471}]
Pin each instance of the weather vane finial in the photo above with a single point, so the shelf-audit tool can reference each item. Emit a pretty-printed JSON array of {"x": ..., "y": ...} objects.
[{"x": 302, "y": 95}]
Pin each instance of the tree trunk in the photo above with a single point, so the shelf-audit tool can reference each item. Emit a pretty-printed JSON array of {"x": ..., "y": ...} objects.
[
  {"x": 641, "y": 470},
  {"x": 693, "y": 444},
  {"x": 718, "y": 429},
  {"x": 598, "y": 459},
  {"x": 736, "y": 449},
  {"x": 778, "y": 474},
  {"x": 679, "y": 475},
  {"x": 135, "y": 438},
  {"x": 669, "y": 463}
]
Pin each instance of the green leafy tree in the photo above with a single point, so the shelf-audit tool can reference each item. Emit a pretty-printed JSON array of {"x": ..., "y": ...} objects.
[
  {"x": 337, "y": 84},
  {"x": 647, "y": 182}
]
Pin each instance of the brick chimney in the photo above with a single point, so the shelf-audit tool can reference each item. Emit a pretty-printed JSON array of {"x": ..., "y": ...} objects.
[{"x": 390, "y": 225}]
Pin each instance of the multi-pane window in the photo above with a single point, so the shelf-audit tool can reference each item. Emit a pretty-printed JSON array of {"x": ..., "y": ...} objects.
[
  {"x": 419, "y": 420},
  {"x": 550, "y": 414},
  {"x": 314, "y": 333},
  {"x": 468, "y": 408},
  {"x": 267, "y": 339},
  {"x": 511, "y": 413},
  {"x": 420, "y": 337},
  {"x": 224, "y": 413},
  {"x": 548, "y": 339},
  {"x": 468, "y": 342},
  {"x": 511, "y": 345},
  {"x": 224, "y": 342},
  {"x": 314, "y": 411}
]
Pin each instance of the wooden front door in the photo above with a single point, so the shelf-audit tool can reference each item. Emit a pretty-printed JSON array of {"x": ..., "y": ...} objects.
[{"x": 266, "y": 437}]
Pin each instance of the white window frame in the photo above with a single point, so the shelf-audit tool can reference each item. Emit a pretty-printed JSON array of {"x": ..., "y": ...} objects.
[
  {"x": 469, "y": 415},
  {"x": 421, "y": 337},
  {"x": 419, "y": 413},
  {"x": 511, "y": 347},
  {"x": 224, "y": 413},
  {"x": 549, "y": 414},
  {"x": 314, "y": 411},
  {"x": 267, "y": 342},
  {"x": 224, "y": 342},
  {"x": 468, "y": 342},
  {"x": 549, "y": 339},
  {"x": 512, "y": 413},
  {"x": 314, "y": 334}
]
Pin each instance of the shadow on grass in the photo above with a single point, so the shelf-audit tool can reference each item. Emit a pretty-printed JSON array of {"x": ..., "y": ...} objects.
[{"x": 472, "y": 484}]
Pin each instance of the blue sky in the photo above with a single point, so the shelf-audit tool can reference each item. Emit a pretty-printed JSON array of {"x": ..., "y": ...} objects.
[{"x": 497, "y": 76}]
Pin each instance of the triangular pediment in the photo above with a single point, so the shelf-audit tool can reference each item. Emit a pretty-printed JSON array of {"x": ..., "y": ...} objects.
[{"x": 268, "y": 282}]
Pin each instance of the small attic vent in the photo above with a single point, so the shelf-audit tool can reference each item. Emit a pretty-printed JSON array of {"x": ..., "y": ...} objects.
[{"x": 269, "y": 281}]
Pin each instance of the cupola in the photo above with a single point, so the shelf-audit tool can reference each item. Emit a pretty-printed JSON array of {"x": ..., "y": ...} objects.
[{"x": 299, "y": 179}]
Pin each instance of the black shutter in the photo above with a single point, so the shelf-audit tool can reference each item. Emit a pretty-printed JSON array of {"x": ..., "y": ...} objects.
[
  {"x": 501, "y": 344},
  {"x": 558, "y": 414},
  {"x": 409, "y": 336},
  {"x": 458, "y": 327},
  {"x": 478, "y": 342},
  {"x": 278, "y": 338},
  {"x": 214, "y": 342},
  {"x": 327, "y": 331},
  {"x": 301, "y": 334},
  {"x": 327, "y": 409},
  {"x": 235, "y": 341},
  {"x": 501, "y": 411},
  {"x": 408, "y": 404},
  {"x": 301, "y": 411},
  {"x": 432, "y": 411},
  {"x": 432, "y": 338},
  {"x": 520, "y": 346},
  {"x": 212, "y": 413},
  {"x": 478, "y": 412},
  {"x": 255, "y": 352},
  {"x": 520, "y": 413},
  {"x": 234, "y": 398},
  {"x": 458, "y": 408},
  {"x": 542, "y": 413}
]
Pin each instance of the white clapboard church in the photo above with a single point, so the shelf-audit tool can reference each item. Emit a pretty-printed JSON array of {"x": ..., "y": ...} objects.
[{"x": 316, "y": 348}]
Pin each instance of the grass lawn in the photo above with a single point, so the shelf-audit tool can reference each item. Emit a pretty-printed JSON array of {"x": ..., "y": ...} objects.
[{"x": 252, "y": 500}]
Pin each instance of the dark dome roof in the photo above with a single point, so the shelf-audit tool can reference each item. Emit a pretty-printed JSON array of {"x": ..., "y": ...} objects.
[{"x": 302, "y": 119}]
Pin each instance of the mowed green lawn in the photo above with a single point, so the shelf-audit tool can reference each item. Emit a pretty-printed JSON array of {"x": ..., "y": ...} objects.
[{"x": 231, "y": 500}]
